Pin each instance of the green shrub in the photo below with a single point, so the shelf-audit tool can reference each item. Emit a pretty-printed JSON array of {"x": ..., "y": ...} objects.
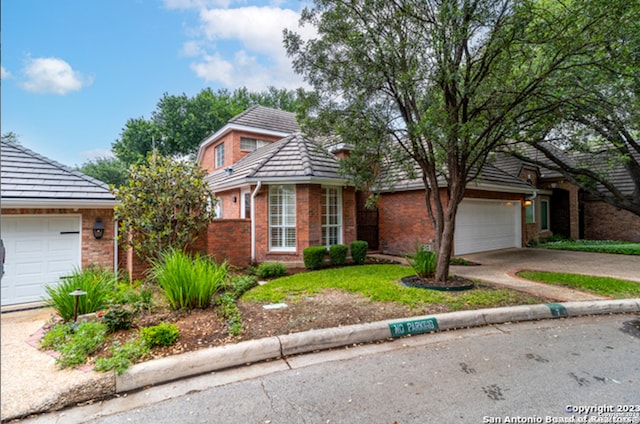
[
  {"x": 242, "y": 284},
  {"x": 423, "y": 262},
  {"x": 122, "y": 356},
  {"x": 87, "y": 337},
  {"x": 271, "y": 270},
  {"x": 160, "y": 335},
  {"x": 98, "y": 283},
  {"x": 359, "y": 251},
  {"x": 117, "y": 317},
  {"x": 188, "y": 282},
  {"x": 338, "y": 254},
  {"x": 313, "y": 257}
]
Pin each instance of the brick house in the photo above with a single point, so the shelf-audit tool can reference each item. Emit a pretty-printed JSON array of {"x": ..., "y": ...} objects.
[
  {"x": 278, "y": 191},
  {"x": 561, "y": 207},
  {"x": 53, "y": 220}
]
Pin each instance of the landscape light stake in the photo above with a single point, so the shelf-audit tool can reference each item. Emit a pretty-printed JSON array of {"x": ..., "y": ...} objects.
[{"x": 76, "y": 293}]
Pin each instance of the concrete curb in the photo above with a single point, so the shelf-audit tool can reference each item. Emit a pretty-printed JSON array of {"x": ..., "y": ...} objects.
[{"x": 213, "y": 359}]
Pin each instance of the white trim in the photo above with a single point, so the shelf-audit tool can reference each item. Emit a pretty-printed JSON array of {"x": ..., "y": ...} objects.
[
  {"x": 279, "y": 180},
  {"x": 55, "y": 203},
  {"x": 339, "y": 213},
  {"x": 284, "y": 226},
  {"x": 253, "y": 221},
  {"x": 231, "y": 127},
  {"x": 243, "y": 203}
]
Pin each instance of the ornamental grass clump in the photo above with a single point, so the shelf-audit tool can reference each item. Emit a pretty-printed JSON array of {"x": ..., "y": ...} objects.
[
  {"x": 188, "y": 282},
  {"x": 423, "y": 262},
  {"x": 98, "y": 283}
]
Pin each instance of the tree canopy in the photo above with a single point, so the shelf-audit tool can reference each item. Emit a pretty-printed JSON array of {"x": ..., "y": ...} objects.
[
  {"x": 165, "y": 204},
  {"x": 438, "y": 85},
  {"x": 108, "y": 170},
  {"x": 180, "y": 122}
]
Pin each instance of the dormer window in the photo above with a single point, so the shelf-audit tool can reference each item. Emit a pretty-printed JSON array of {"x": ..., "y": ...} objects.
[{"x": 250, "y": 144}]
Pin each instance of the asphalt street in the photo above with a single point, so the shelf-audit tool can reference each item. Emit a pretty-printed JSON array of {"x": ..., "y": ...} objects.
[{"x": 544, "y": 371}]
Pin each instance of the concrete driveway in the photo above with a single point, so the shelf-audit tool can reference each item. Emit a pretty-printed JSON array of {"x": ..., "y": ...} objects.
[{"x": 500, "y": 267}]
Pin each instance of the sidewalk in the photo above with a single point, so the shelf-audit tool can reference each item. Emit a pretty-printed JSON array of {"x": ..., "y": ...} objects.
[{"x": 32, "y": 383}]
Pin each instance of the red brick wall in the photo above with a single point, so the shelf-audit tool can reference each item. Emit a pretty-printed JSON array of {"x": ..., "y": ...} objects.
[
  {"x": 93, "y": 251},
  {"x": 403, "y": 221},
  {"x": 605, "y": 222},
  {"x": 349, "y": 213},
  {"x": 230, "y": 239},
  {"x": 232, "y": 152}
]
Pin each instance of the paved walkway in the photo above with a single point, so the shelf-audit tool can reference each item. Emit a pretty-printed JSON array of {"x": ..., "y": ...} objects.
[{"x": 31, "y": 381}]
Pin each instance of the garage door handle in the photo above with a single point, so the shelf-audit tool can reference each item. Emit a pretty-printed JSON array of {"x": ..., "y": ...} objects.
[{"x": 69, "y": 232}]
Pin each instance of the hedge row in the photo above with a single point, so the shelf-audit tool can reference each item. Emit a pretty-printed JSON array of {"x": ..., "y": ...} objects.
[{"x": 313, "y": 256}]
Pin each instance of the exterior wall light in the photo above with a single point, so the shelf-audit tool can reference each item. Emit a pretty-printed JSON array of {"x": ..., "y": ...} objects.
[{"x": 98, "y": 228}]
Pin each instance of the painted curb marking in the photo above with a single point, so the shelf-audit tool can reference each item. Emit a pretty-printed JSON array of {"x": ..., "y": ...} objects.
[
  {"x": 557, "y": 310},
  {"x": 418, "y": 326}
]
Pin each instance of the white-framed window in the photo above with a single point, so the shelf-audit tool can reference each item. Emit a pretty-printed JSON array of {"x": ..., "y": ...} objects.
[
  {"x": 331, "y": 216},
  {"x": 217, "y": 208},
  {"x": 219, "y": 152},
  {"x": 282, "y": 218},
  {"x": 544, "y": 215},
  {"x": 245, "y": 204},
  {"x": 251, "y": 144}
]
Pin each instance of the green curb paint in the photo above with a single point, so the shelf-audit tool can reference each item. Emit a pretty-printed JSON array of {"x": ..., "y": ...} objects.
[
  {"x": 557, "y": 310},
  {"x": 419, "y": 326}
]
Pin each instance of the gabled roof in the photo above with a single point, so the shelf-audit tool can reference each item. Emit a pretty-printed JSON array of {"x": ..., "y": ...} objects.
[
  {"x": 32, "y": 180},
  {"x": 293, "y": 159},
  {"x": 266, "y": 118},
  {"x": 257, "y": 119}
]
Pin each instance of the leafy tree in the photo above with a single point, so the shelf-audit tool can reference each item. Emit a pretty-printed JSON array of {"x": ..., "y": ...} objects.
[
  {"x": 437, "y": 85},
  {"x": 165, "y": 204},
  {"x": 11, "y": 136},
  {"x": 180, "y": 122},
  {"x": 109, "y": 170},
  {"x": 594, "y": 132}
]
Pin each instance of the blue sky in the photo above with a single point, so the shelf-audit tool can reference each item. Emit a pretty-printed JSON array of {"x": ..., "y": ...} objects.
[{"x": 74, "y": 71}]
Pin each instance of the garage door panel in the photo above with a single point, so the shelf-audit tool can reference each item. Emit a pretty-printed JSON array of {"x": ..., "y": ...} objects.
[
  {"x": 37, "y": 254},
  {"x": 483, "y": 225}
]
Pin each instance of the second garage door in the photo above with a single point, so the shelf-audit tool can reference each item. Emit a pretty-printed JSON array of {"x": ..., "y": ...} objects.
[
  {"x": 483, "y": 225},
  {"x": 39, "y": 250}
]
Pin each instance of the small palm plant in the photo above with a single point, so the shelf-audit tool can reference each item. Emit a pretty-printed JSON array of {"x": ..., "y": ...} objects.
[{"x": 423, "y": 262}]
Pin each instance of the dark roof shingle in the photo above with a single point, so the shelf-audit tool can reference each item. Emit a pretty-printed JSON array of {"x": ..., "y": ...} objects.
[{"x": 26, "y": 175}]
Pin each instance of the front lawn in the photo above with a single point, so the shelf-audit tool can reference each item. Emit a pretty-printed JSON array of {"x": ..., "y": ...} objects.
[
  {"x": 597, "y": 246},
  {"x": 380, "y": 283},
  {"x": 603, "y": 286}
]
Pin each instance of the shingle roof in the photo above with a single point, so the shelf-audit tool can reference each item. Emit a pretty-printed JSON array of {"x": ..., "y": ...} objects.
[
  {"x": 266, "y": 118},
  {"x": 603, "y": 161},
  {"x": 399, "y": 178},
  {"x": 294, "y": 157},
  {"x": 28, "y": 176}
]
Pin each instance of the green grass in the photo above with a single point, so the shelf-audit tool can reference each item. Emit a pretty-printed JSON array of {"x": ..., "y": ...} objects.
[
  {"x": 597, "y": 246},
  {"x": 380, "y": 283},
  {"x": 603, "y": 286}
]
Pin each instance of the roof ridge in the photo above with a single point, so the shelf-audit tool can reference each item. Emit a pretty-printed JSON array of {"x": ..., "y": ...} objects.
[
  {"x": 54, "y": 163},
  {"x": 304, "y": 153},
  {"x": 276, "y": 149}
]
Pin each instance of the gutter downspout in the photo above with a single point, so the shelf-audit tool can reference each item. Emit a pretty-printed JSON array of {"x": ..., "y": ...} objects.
[
  {"x": 115, "y": 248},
  {"x": 253, "y": 221}
]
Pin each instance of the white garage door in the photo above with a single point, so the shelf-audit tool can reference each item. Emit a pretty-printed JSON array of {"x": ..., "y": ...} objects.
[
  {"x": 483, "y": 225},
  {"x": 39, "y": 250}
]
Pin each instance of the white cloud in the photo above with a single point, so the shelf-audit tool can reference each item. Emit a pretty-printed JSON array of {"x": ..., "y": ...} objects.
[
  {"x": 4, "y": 74},
  {"x": 195, "y": 4},
  {"x": 243, "y": 46},
  {"x": 52, "y": 75}
]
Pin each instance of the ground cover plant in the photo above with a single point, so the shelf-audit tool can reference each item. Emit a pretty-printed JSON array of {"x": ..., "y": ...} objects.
[
  {"x": 603, "y": 286},
  {"x": 597, "y": 246}
]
